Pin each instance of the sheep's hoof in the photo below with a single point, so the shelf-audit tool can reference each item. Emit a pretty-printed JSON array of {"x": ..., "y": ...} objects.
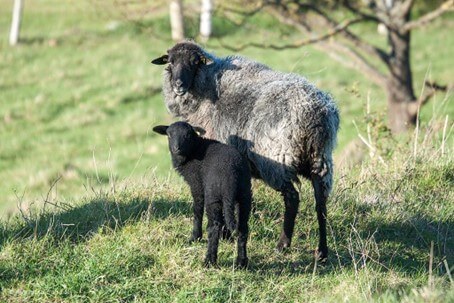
[{"x": 241, "y": 263}]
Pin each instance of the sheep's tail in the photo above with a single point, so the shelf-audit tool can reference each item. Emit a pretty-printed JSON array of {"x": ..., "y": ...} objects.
[{"x": 229, "y": 215}]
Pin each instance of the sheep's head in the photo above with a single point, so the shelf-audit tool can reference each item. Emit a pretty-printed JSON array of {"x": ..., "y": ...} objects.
[
  {"x": 184, "y": 60},
  {"x": 182, "y": 138}
]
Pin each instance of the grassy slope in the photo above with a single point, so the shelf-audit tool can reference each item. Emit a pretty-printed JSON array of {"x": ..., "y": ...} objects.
[
  {"x": 78, "y": 99},
  {"x": 131, "y": 245}
]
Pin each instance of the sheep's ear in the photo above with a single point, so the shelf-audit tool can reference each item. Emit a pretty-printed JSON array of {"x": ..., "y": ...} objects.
[
  {"x": 161, "y": 129},
  {"x": 164, "y": 59},
  {"x": 200, "y": 131},
  {"x": 205, "y": 60}
]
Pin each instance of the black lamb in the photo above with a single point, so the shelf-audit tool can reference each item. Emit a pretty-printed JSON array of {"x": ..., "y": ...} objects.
[{"x": 219, "y": 179}]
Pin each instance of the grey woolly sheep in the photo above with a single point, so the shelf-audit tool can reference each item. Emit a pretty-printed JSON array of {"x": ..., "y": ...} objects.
[
  {"x": 219, "y": 179},
  {"x": 282, "y": 123}
]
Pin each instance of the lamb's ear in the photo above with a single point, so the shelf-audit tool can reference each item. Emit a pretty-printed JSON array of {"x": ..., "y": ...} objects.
[
  {"x": 200, "y": 131},
  {"x": 161, "y": 129},
  {"x": 164, "y": 59}
]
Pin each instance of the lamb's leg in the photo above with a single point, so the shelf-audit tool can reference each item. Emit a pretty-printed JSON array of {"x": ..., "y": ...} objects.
[
  {"x": 198, "y": 217},
  {"x": 322, "y": 182},
  {"x": 214, "y": 214},
  {"x": 243, "y": 230},
  {"x": 291, "y": 200},
  {"x": 225, "y": 232}
]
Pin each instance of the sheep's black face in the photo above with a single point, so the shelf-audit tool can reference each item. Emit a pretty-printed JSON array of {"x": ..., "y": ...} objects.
[{"x": 184, "y": 60}]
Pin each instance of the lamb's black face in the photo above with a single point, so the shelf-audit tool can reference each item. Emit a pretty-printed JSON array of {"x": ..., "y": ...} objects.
[{"x": 181, "y": 138}]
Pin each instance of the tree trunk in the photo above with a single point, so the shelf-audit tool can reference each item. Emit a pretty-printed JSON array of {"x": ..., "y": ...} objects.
[
  {"x": 176, "y": 20},
  {"x": 402, "y": 103},
  {"x": 402, "y": 107},
  {"x": 15, "y": 23},
  {"x": 205, "y": 19}
]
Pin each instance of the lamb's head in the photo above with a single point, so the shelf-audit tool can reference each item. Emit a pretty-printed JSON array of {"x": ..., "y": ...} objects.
[
  {"x": 182, "y": 138},
  {"x": 184, "y": 60}
]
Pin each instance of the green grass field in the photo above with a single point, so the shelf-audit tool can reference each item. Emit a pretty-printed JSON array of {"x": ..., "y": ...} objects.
[{"x": 104, "y": 218}]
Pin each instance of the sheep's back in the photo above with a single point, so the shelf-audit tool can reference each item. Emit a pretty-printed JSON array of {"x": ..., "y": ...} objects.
[{"x": 279, "y": 115}]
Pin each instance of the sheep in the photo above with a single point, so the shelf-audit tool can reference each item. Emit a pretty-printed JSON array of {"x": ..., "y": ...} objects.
[
  {"x": 282, "y": 123},
  {"x": 219, "y": 179}
]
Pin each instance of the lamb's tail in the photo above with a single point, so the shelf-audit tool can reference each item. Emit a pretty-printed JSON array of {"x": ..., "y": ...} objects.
[{"x": 229, "y": 215}]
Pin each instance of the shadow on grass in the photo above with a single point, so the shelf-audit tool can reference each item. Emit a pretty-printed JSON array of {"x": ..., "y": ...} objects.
[
  {"x": 402, "y": 247},
  {"x": 80, "y": 223},
  {"x": 398, "y": 246}
]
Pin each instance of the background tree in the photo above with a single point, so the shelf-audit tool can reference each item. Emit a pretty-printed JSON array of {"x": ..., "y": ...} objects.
[
  {"x": 15, "y": 23},
  {"x": 176, "y": 20},
  {"x": 331, "y": 31},
  {"x": 205, "y": 19}
]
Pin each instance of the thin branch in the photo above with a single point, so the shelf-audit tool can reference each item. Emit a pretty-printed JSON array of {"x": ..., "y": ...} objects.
[
  {"x": 433, "y": 89},
  {"x": 406, "y": 6},
  {"x": 296, "y": 44},
  {"x": 443, "y": 8},
  {"x": 357, "y": 62},
  {"x": 245, "y": 13},
  {"x": 357, "y": 41},
  {"x": 359, "y": 12}
]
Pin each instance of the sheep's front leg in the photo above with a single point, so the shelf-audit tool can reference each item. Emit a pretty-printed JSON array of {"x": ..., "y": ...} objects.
[
  {"x": 291, "y": 200},
  {"x": 198, "y": 217}
]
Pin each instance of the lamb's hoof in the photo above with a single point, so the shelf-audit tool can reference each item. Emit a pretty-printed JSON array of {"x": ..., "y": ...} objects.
[
  {"x": 210, "y": 264},
  {"x": 321, "y": 255},
  {"x": 227, "y": 235},
  {"x": 193, "y": 239},
  {"x": 283, "y": 244},
  {"x": 241, "y": 263}
]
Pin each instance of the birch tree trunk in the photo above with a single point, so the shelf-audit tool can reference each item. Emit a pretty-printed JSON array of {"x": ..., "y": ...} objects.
[
  {"x": 205, "y": 19},
  {"x": 15, "y": 24},
  {"x": 176, "y": 20}
]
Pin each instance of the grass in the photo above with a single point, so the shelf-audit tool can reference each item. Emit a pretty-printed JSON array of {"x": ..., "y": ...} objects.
[
  {"x": 104, "y": 219},
  {"x": 130, "y": 244}
]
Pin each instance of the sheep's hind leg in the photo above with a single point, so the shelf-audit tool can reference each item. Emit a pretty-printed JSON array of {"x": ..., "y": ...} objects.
[
  {"x": 291, "y": 200},
  {"x": 322, "y": 182}
]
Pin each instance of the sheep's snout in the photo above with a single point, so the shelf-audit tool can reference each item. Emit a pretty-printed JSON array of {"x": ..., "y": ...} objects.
[{"x": 180, "y": 91}]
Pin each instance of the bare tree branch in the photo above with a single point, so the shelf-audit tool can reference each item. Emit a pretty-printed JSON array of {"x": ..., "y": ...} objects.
[
  {"x": 433, "y": 88},
  {"x": 406, "y": 6},
  {"x": 357, "y": 62},
  {"x": 443, "y": 8},
  {"x": 296, "y": 44},
  {"x": 358, "y": 11},
  {"x": 354, "y": 39}
]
